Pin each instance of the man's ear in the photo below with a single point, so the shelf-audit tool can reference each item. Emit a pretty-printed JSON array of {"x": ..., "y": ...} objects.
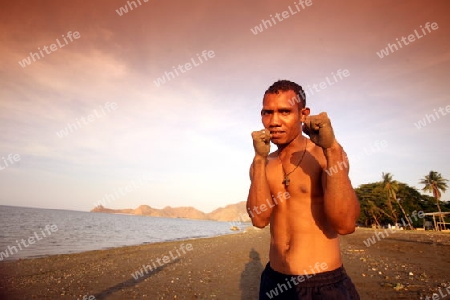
[{"x": 304, "y": 112}]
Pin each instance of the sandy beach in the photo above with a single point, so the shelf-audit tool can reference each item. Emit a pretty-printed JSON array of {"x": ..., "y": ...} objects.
[{"x": 403, "y": 265}]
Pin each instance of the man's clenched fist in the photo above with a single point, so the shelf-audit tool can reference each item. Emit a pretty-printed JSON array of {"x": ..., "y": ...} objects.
[
  {"x": 319, "y": 130},
  {"x": 261, "y": 142}
]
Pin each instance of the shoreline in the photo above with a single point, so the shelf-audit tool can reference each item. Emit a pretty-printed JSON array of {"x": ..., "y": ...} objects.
[
  {"x": 405, "y": 265},
  {"x": 12, "y": 258}
]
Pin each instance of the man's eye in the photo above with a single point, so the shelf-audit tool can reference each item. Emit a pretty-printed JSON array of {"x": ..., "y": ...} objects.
[
  {"x": 265, "y": 112},
  {"x": 285, "y": 112}
]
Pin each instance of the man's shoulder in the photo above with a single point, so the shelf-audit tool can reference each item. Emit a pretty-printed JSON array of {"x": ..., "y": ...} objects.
[
  {"x": 273, "y": 155},
  {"x": 317, "y": 153},
  {"x": 313, "y": 148}
]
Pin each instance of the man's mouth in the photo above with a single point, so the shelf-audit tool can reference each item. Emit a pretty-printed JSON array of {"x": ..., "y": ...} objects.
[{"x": 276, "y": 132}]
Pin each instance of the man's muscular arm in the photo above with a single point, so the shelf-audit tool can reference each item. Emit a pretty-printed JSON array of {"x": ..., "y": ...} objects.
[
  {"x": 340, "y": 202},
  {"x": 259, "y": 188}
]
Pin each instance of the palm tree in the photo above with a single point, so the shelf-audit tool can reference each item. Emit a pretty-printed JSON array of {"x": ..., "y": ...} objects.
[
  {"x": 374, "y": 211},
  {"x": 391, "y": 188},
  {"x": 435, "y": 183}
]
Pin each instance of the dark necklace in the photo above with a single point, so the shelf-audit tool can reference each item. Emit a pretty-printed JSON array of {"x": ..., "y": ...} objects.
[{"x": 286, "y": 179}]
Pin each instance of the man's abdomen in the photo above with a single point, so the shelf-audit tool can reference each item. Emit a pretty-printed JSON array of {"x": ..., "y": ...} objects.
[{"x": 296, "y": 247}]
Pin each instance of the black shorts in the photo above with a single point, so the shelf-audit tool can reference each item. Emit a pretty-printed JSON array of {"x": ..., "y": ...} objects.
[{"x": 330, "y": 285}]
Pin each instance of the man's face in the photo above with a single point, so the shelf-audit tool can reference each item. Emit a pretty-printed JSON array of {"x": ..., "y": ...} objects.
[{"x": 282, "y": 117}]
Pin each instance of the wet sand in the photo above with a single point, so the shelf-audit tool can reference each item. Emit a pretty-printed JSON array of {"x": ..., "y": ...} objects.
[{"x": 403, "y": 265}]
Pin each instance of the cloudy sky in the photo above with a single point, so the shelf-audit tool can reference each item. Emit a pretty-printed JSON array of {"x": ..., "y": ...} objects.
[{"x": 86, "y": 118}]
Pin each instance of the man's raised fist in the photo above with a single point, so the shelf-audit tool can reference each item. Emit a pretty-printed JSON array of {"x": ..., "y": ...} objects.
[
  {"x": 261, "y": 142},
  {"x": 319, "y": 130}
]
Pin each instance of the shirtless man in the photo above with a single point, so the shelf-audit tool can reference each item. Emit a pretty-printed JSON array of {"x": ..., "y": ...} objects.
[{"x": 306, "y": 207}]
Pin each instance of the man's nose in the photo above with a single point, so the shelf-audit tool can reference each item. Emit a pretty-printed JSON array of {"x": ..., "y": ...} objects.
[{"x": 275, "y": 120}]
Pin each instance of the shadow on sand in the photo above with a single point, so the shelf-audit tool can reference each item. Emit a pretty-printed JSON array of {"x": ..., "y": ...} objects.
[
  {"x": 130, "y": 282},
  {"x": 251, "y": 277}
]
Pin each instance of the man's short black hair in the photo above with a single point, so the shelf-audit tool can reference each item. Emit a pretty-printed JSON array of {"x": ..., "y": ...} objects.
[{"x": 286, "y": 85}]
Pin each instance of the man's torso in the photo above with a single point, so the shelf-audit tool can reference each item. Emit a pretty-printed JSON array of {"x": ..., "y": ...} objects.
[{"x": 300, "y": 234}]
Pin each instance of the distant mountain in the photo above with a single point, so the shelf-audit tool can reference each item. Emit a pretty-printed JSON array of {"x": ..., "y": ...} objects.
[
  {"x": 145, "y": 210},
  {"x": 231, "y": 213},
  {"x": 185, "y": 212},
  {"x": 103, "y": 209}
]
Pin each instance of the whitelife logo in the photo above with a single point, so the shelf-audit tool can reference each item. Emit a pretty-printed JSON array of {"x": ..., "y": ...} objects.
[
  {"x": 309, "y": 90},
  {"x": 122, "y": 192},
  {"x": 71, "y": 127},
  {"x": 441, "y": 295},
  {"x": 33, "y": 56},
  {"x": 165, "y": 260},
  {"x": 371, "y": 241},
  {"x": 31, "y": 240},
  {"x": 411, "y": 38},
  {"x": 423, "y": 122},
  {"x": 11, "y": 158},
  {"x": 280, "y": 17},
  {"x": 281, "y": 287},
  {"x": 187, "y": 66},
  {"x": 342, "y": 165},
  {"x": 124, "y": 9}
]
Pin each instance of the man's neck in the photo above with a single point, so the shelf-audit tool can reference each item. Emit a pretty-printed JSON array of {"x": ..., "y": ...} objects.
[{"x": 296, "y": 144}]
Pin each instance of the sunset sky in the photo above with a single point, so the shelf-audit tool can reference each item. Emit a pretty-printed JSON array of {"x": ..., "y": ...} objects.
[{"x": 187, "y": 141}]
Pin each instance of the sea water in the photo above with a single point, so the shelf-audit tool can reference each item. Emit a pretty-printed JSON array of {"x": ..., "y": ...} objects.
[{"x": 63, "y": 231}]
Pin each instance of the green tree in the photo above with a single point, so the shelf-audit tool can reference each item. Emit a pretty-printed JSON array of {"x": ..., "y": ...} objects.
[
  {"x": 372, "y": 199},
  {"x": 391, "y": 188},
  {"x": 434, "y": 184},
  {"x": 413, "y": 200},
  {"x": 375, "y": 210}
]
